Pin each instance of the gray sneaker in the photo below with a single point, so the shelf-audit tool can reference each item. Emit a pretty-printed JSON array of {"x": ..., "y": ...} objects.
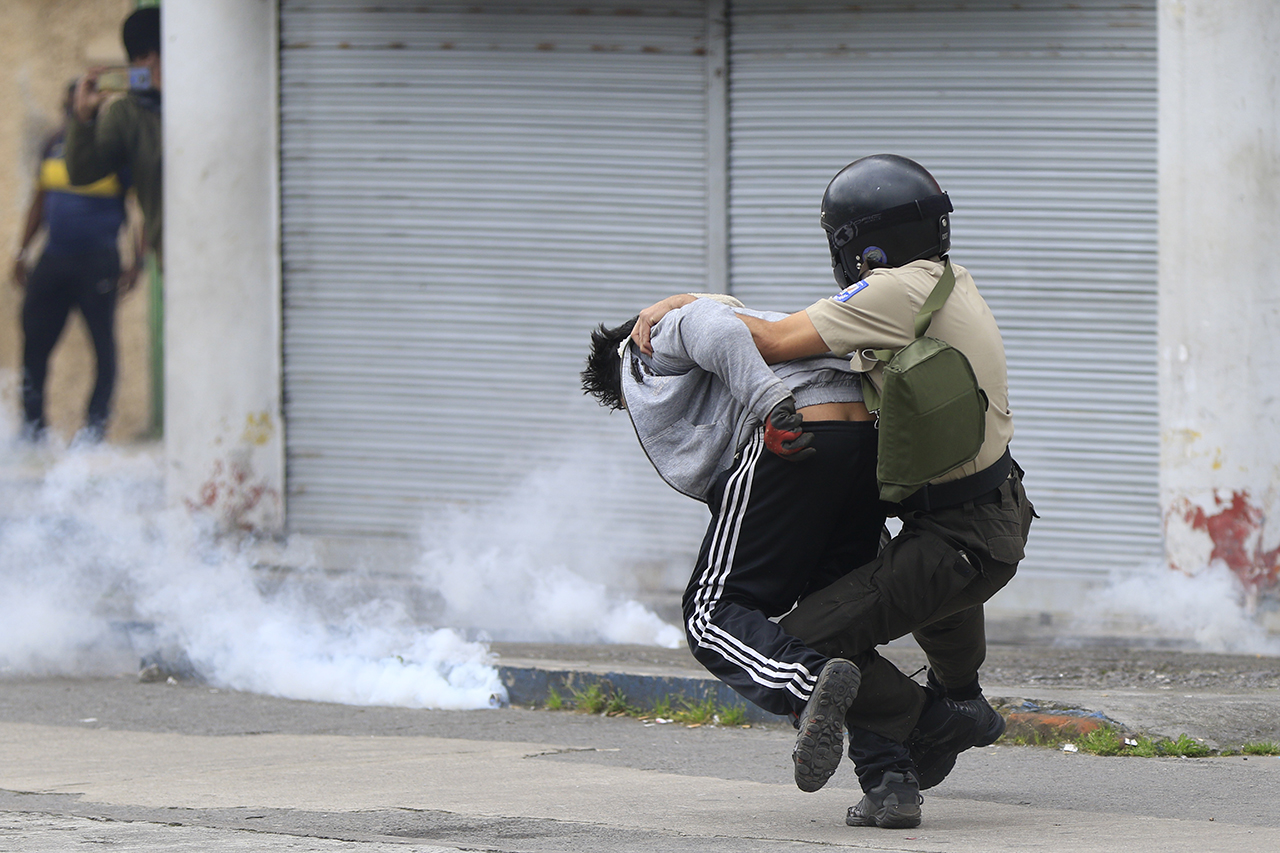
[
  {"x": 820, "y": 742},
  {"x": 947, "y": 729},
  {"x": 893, "y": 804}
]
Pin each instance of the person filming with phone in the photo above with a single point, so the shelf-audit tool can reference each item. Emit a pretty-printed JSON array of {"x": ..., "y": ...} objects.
[
  {"x": 78, "y": 266},
  {"x": 116, "y": 122}
]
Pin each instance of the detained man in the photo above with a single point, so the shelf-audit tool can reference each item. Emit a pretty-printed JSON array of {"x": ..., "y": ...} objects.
[{"x": 784, "y": 459}]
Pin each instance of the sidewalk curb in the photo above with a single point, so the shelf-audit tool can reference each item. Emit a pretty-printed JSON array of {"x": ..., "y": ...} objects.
[
  {"x": 1050, "y": 721},
  {"x": 531, "y": 685},
  {"x": 1050, "y": 726}
]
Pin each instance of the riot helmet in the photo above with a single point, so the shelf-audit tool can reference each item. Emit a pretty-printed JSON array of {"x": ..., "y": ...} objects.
[{"x": 886, "y": 211}]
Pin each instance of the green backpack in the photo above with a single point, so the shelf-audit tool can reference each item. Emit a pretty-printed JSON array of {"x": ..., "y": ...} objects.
[{"x": 931, "y": 412}]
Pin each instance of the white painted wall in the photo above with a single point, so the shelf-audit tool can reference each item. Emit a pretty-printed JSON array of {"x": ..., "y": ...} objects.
[
  {"x": 1219, "y": 164},
  {"x": 223, "y": 428}
]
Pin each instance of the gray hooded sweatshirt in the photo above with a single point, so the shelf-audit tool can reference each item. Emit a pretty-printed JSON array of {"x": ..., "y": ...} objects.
[{"x": 697, "y": 400}]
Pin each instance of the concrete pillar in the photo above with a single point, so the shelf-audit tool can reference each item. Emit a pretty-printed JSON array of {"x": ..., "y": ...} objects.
[
  {"x": 224, "y": 441},
  {"x": 1219, "y": 166}
]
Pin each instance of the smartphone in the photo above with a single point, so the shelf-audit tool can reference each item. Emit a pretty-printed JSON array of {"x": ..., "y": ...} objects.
[{"x": 124, "y": 78}]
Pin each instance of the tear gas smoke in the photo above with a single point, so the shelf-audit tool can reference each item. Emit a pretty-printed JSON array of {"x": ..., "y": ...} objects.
[
  {"x": 542, "y": 564},
  {"x": 96, "y": 572},
  {"x": 1209, "y": 609}
]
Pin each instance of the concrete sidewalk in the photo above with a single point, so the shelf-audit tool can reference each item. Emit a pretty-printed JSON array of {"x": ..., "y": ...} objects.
[{"x": 187, "y": 767}]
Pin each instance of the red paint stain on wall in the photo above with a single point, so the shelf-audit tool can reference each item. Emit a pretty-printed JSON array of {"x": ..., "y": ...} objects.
[
  {"x": 233, "y": 495},
  {"x": 1236, "y": 533}
]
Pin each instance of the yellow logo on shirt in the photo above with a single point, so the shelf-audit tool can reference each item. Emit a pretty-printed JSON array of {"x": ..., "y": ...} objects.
[{"x": 54, "y": 177}]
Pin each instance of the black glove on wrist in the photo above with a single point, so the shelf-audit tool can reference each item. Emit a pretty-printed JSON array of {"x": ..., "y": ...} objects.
[{"x": 784, "y": 433}]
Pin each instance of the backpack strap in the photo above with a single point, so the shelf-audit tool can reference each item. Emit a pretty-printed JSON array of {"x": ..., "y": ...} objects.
[
  {"x": 937, "y": 296},
  {"x": 924, "y": 316}
]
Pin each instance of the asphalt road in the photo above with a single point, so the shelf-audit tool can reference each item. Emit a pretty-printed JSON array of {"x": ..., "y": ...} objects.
[{"x": 149, "y": 767}]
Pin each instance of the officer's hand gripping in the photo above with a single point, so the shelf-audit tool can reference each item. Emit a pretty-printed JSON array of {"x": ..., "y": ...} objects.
[{"x": 784, "y": 433}]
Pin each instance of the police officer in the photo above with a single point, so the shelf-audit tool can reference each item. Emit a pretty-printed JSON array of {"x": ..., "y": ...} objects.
[{"x": 963, "y": 534}]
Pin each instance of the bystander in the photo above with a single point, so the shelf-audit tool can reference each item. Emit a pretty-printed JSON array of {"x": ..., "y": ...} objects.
[{"x": 79, "y": 266}]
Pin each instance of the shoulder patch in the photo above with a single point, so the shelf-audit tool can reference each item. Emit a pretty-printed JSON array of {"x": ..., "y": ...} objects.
[{"x": 846, "y": 294}]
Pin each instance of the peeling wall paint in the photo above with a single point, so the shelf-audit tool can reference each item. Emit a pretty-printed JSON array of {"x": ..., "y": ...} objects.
[
  {"x": 236, "y": 489},
  {"x": 1237, "y": 533},
  {"x": 258, "y": 428},
  {"x": 237, "y": 497}
]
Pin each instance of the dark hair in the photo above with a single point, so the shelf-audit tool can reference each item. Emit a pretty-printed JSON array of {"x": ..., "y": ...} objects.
[
  {"x": 602, "y": 377},
  {"x": 141, "y": 33}
]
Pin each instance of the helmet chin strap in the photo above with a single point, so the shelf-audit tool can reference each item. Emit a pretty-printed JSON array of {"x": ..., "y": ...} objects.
[
  {"x": 841, "y": 272},
  {"x": 845, "y": 275}
]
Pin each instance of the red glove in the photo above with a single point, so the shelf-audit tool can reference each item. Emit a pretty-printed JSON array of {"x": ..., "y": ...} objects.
[{"x": 784, "y": 433}]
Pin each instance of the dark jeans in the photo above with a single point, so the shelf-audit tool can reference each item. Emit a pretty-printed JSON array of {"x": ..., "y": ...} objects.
[
  {"x": 59, "y": 282},
  {"x": 929, "y": 581}
]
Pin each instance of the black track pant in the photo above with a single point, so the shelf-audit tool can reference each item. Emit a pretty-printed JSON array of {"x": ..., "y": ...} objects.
[
  {"x": 58, "y": 283},
  {"x": 919, "y": 584},
  {"x": 780, "y": 530}
]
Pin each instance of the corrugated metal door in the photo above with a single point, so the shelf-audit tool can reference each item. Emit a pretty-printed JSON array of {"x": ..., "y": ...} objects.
[
  {"x": 1039, "y": 118},
  {"x": 467, "y": 190}
]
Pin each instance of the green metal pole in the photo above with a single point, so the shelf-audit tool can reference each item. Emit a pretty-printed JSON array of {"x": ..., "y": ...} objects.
[{"x": 156, "y": 323}]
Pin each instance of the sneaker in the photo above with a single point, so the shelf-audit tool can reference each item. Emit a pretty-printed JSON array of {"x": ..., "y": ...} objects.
[
  {"x": 33, "y": 432},
  {"x": 89, "y": 435},
  {"x": 893, "y": 804},
  {"x": 946, "y": 729},
  {"x": 820, "y": 743}
]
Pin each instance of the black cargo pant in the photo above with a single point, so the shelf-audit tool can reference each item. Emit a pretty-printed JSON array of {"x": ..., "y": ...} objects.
[
  {"x": 58, "y": 283},
  {"x": 780, "y": 530},
  {"x": 930, "y": 581}
]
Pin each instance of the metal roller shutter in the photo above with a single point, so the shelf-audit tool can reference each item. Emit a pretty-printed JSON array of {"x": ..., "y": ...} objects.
[
  {"x": 467, "y": 189},
  {"x": 1039, "y": 118}
]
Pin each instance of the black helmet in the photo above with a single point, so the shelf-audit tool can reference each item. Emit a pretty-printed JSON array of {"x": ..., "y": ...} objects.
[{"x": 885, "y": 210}]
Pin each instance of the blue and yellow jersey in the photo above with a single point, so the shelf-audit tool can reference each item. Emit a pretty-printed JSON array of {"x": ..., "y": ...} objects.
[{"x": 80, "y": 220}]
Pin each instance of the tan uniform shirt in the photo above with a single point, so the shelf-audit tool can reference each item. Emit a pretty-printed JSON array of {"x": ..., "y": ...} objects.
[{"x": 879, "y": 313}]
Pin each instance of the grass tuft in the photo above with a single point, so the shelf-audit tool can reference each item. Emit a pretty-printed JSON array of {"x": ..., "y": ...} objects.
[
  {"x": 660, "y": 710},
  {"x": 1103, "y": 740},
  {"x": 1188, "y": 747},
  {"x": 599, "y": 698},
  {"x": 1144, "y": 747},
  {"x": 1265, "y": 747},
  {"x": 695, "y": 713},
  {"x": 617, "y": 706},
  {"x": 592, "y": 700},
  {"x": 1108, "y": 740}
]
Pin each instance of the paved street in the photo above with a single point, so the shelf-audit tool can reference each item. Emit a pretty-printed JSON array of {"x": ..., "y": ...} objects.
[{"x": 183, "y": 766}]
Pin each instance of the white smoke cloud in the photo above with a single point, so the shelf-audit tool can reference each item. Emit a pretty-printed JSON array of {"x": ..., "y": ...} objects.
[
  {"x": 540, "y": 564},
  {"x": 1210, "y": 608},
  {"x": 95, "y": 572}
]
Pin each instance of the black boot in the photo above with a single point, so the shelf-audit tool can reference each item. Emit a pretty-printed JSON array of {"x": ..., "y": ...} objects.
[
  {"x": 820, "y": 742},
  {"x": 892, "y": 804},
  {"x": 947, "y": 727},
  {"x": 890, "y": 786}
]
